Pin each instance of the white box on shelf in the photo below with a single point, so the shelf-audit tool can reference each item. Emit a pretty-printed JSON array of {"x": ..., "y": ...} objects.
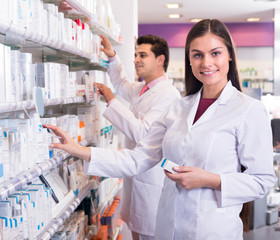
[
  {"x": 2, "y": 74},
  {"x": 10, "y": 90},
  {"x": 16, "y": 74}
]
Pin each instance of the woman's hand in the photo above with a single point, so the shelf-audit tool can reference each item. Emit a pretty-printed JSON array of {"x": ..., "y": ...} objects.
[
  {"x": 68, "y": 144},
  {"x": 107, "y": 47},
  {"x": 194, "y": 177},
  {"x": 105, "y": 91}
]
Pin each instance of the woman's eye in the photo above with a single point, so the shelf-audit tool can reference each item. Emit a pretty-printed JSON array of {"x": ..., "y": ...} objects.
[
  {"x": 197, "y": 55},
  {"x": 216, "y": 53}
]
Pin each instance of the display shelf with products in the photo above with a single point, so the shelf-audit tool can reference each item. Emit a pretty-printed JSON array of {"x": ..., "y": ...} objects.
[
  {"x": 109, "y": 197},
  {"x": 50, "y": 51},
  {"x": 266, "y": 85},
  {"x": 74, "y": 9},
  {"x": 26, "y": 35},
  {"x": 113, "y": 222},
  {"x": 74, "y": 45},
  {"x": 19, "y": 37},
  {"x": 64, "y": 213},
  {"x": 19, "y": 106},
  {"x": 8, "y": 188}
]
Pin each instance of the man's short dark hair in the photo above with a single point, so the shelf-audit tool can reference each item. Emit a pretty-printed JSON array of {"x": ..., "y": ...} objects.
[{"x": 159, "y": 47}]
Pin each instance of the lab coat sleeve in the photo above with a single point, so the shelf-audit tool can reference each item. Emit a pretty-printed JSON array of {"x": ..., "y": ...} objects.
[
  {"x": 254, "y": 146},
  {"x": 134, "y": 128},
  {"x": 118, "y": 77},
  {"x": 125, "y": 163}
]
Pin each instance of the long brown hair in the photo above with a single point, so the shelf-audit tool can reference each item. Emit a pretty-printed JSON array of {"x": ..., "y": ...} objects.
[
  {"x": 193, "y": 85},
  {"x": 201, "y": 28}
]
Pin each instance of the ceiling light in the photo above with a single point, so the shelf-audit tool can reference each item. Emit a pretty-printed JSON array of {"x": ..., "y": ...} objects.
[
  {"x": 173, "y": 5},
  {"x": 195, "y": 20},
  {"x": 253, "y": 19},
  {"x": 174, "y": 15}
]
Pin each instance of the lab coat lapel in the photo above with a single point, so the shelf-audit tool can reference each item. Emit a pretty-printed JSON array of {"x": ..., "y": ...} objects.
[
  {"x": 214, "y": 107},
  {"x": 150, "y": 92},
  {"x": 137, "y": 98},
  {"x": 192, "y": 103}
]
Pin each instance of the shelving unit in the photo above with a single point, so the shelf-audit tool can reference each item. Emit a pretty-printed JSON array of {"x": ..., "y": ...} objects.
[
  {"x": 48, "y": 50},
  {"x": 109, "y": 198},
  {"x": 7, "y": 188},
  {"x": 19, "y": 106},
  {"x": 266, "y": 85},
  {"x": 73, "y": 9},
  {"x": 108, "y": 201},
  {"x": 57, "y": 222}
]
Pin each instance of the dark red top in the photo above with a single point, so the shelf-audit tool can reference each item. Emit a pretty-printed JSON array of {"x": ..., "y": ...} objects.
[{"x": 204, "y": 103}]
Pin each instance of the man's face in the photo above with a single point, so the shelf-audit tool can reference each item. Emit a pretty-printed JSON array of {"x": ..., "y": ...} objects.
[{"x": 145, "y": 61}]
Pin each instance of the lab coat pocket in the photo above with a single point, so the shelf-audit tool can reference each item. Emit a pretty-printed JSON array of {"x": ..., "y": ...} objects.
[
  {"x": 219, "y": 223},
  {"x": 146, "y": 197}
]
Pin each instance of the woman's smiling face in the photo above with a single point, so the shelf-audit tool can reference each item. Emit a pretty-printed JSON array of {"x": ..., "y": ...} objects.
[{"x": 209, "y": 58}]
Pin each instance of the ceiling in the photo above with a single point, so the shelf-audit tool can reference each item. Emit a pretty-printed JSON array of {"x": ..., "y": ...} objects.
[{"x": 153, "y": 11}]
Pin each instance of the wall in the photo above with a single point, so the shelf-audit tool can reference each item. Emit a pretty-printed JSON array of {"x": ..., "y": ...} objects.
[
  {"x": 129, "y": 23},
  {"x": 243, "y": 34}
]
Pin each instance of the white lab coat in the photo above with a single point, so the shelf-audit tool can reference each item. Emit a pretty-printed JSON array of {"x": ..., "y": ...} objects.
[
  {"x": 141, "y": 193},
  {"x": 233, "y": 131}
]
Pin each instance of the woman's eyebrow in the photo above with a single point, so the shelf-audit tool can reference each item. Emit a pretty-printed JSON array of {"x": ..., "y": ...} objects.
[{"x": 196, "y": 50}]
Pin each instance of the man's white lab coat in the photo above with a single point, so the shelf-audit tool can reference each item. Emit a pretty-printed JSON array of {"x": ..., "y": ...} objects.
[{"x": 141, "y": 193}]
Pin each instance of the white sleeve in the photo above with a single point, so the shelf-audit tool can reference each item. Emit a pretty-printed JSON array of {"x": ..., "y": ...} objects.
[
  {"x": 124, "y": 163},
  {"x": 256, "y": 155},
  {"x": 134, "y": 128},
  {"x": 119, "y": 80}
]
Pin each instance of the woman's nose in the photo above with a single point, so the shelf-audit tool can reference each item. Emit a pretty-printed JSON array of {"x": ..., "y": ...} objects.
[{"x": 207, "y": 61}]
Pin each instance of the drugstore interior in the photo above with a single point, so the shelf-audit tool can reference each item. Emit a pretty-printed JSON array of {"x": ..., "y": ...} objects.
[{"x": 49, "y": 60}]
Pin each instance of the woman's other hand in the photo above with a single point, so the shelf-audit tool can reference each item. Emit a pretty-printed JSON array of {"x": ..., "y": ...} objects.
[{"x": 194, "y": 177}]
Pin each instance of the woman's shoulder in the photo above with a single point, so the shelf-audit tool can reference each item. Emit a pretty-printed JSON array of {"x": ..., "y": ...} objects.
[{"x": 250, "y": 103}]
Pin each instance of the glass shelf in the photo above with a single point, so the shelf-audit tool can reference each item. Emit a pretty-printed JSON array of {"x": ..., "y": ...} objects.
[
  {"x": 65, "y": 212},
  {"x": 9, "y": 187},
  {"x": 19, "y": 106}
]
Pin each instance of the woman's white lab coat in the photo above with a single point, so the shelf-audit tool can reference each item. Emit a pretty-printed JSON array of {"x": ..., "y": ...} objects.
[
  {"x": 141, "y": 193},
  {"x": 234, "y": 131}
]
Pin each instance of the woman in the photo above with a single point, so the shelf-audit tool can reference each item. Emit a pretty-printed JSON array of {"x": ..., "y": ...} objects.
[{"x": 211, "y": 133}]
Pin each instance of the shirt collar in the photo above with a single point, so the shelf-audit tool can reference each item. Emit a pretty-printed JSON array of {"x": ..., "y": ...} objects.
[{"x": 156, "y": 81}]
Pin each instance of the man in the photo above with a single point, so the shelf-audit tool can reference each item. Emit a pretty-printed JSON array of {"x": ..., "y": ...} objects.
[{"x": 148, "y": 99}]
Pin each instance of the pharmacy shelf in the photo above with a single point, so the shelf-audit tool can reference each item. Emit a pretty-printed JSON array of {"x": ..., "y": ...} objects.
[
  {"x": 108, "y": 201},
  {"x": 73, "y": 10},
  {"x": 50, "y": 50},
  {"x": 109, "y": 198},
  {"x": 16, "y": 35},
  {"x": 100, "y": 30},
  {"x": 21, "y": 180},
  {"x": 19, "y": 106},
  {"x": 64, "y": 214}
]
